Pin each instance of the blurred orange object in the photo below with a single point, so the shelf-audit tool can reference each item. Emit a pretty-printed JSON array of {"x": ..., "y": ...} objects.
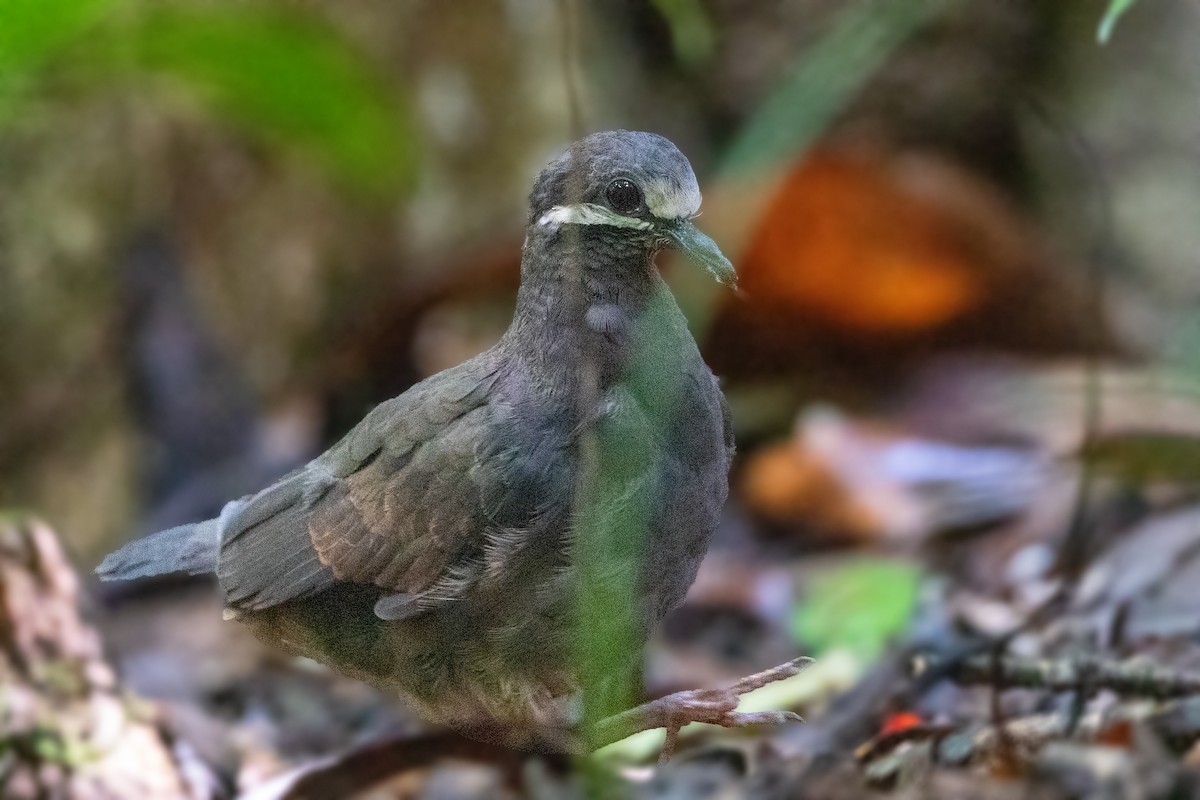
[
  {"x": 786, "y": 483},
  {"x": 848, "y": 243},
  {"x": 841, "y": 479},
  {"x": 869, "y": 254}
]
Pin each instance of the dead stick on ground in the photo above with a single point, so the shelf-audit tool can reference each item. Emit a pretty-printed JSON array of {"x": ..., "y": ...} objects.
[{"x": 1129, "y": 678}]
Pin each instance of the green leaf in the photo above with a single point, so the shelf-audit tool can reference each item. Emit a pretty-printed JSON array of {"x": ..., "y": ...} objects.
[
  {"x": 857, "y": 607},
  {"x": 692, "y": 33},
  {"x": 293, "y": 82},
  {"x": 806, "y": 99},
  {"x": 288, "y": 80},
  {"x": 820, "y": 84},
  {"x": 614, "y": 506},
  {"x": 32, "y": 34},
  {"x": 1116, "y": 9},
  {"x": 31, "y": 31}
]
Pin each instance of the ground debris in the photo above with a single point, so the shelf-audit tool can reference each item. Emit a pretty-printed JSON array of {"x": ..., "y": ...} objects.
[
  {"x": 66, "y": 732},
  {"x": 1136, "y": 678}
]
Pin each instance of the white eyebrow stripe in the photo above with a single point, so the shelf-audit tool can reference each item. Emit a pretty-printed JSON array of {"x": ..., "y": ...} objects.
[
  {"x": 590, "y": 214},
  {"x": 667, "y": 201}
]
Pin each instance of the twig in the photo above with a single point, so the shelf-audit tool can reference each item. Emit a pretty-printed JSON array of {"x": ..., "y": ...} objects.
[
  {"x": 997, "y": 680},
  {"x": 1128, "y": 678},
  {"x": 1073, "y": 555}
]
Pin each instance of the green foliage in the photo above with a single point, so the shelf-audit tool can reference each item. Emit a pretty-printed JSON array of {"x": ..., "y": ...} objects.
[
  {"x": 818, "y": 86},
  {"x": 32, "y": 32},
  {"x": 49, "y": 746},
  {"x": 857, "y": 607},
  {"x": 294, "y": 83},
  {"x": 1116, "y": 9},
  {"x": 614, "y": 497},
  {"x": 54, "y": 747},
  {"x": 806, "y": 99},
  {"x": 287, "y": 81},
  {"x": 692, "y": 33}
]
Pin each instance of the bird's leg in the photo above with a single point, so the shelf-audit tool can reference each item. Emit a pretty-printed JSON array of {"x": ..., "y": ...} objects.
[{"x": 713, "y": 706}]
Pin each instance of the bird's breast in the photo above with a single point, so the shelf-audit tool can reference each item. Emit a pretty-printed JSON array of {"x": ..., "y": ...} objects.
[{"x": 609, "y": 339}]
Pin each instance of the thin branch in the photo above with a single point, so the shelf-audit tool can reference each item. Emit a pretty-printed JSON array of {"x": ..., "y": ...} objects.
[{"x": 1126, "y": 678}]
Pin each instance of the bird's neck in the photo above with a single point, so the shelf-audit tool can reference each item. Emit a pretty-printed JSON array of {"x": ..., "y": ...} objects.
[{"x": 583, "y": 307}]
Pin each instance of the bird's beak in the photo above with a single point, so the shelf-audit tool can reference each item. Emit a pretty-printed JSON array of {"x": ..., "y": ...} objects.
[{"x": 701, "y": 249}]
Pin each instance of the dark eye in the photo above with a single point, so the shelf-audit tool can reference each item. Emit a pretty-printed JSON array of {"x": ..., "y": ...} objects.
[{"x": 624, "y": 196}]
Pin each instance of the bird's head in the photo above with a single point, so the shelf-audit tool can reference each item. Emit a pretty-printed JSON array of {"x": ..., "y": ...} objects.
[{"x": 634, "y": 185}]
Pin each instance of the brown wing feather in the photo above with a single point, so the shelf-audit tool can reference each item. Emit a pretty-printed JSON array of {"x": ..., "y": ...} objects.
[{"x": 394, "y": 504}]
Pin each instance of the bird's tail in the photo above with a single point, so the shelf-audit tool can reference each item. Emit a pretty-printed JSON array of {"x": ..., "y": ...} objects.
[{"x": 188, "y": 548}]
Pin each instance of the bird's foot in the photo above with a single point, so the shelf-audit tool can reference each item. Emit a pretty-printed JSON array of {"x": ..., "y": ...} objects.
[{"x": 711, "y": 706}]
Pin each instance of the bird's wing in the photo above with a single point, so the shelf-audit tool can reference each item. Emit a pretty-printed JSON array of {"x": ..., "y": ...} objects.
[{"x": 397, "y": 503}]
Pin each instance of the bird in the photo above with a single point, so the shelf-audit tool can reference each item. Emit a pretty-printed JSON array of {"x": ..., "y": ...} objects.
[{"x": 440, "y": 549}]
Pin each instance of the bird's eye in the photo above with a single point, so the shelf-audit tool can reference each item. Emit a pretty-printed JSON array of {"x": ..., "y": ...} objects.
[{"x": 624, "y": 196}]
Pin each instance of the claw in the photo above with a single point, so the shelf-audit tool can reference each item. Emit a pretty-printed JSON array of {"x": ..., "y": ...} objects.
[
  {"x": 711, "y": 706},
  {"x": 740, "y": 719}
]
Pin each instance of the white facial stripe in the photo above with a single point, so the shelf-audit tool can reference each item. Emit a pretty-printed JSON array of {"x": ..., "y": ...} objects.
[
  {"x": 590, "y": 214},
  {"x": 667, "y": 201}
]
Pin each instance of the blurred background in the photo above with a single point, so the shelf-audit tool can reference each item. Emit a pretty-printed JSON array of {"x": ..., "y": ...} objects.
[{"x": 963, "y": 368}]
